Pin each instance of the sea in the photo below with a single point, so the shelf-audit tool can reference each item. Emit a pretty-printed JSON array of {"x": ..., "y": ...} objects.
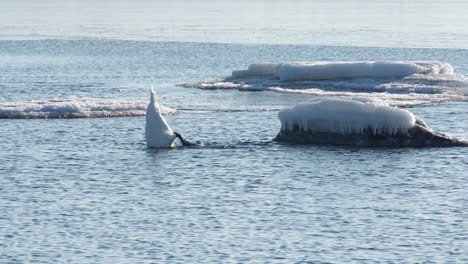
[{"x": 79, "y": 185}]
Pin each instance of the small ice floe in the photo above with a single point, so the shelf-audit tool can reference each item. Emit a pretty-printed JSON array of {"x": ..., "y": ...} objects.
[
  {"x": 400, "y": 83},
  {"x": 76, "y": 107},
  {"x": 358, "y": 122}
]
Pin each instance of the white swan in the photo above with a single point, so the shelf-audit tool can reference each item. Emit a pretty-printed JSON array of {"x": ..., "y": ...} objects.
[{"x": 157, "y": 131}]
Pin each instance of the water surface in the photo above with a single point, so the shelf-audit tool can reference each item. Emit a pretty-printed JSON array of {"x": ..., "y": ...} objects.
[{"x": 89, "y": 191}]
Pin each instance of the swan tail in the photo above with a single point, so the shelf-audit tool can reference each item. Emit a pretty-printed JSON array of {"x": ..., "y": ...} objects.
[{"x": 154, "y": 99}]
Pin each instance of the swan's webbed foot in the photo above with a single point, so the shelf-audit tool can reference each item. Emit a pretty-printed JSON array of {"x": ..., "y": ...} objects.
[{"x": 183, "y": 141}]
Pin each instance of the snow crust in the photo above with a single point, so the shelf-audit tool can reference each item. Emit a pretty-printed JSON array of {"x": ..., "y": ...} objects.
[
  {"x": 322, "y": 70},
  {"x": 427, "y": 82},
  {"x": 157, "y": 132},
  {"x": 346, "y": 116},
  {"x": 258, "y": 69},
  {"x": 77, "y": 107}
]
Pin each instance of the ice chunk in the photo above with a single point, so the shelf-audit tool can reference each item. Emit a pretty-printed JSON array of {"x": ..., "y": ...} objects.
[
  {"x": 76, "y": 107},
  {"x": 358, "y": 122},
  {"x": 257, "y": 69},
  {"x": 346, "y": 116},
  {"x": 297, "y": 71},
  {"x": 400, "y": 83}
]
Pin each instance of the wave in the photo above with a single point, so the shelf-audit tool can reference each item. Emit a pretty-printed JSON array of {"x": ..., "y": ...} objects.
[
  {"x": 77, "y": 107},
  {"x": 403, "y": 83}
]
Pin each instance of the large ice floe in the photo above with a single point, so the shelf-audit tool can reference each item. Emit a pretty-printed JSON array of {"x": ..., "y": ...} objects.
[
  {"x": 301, "y": 71},
  {"x": 358, "y": 122},
  {"x": 400, "y": 83},
  {"x": 77, "y": 107}
]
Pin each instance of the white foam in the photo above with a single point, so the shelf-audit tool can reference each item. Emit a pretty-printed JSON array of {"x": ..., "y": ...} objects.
[
  {"x": 76, "y": 107},
  {"x": 322, "y": 70},
  {"x": 346, "y": 116},
  {"x": 157, "y": 132}
]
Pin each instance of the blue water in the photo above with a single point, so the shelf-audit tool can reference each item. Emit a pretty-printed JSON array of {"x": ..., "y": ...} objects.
[
  {"x": 398, "y": 23},
  {"x": 89, "y": 191}
]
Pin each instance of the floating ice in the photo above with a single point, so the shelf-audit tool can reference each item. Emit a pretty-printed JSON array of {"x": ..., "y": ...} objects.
[
  {"x": 346, "y": 116},
  {"x": 157, "y": 131},
  {"x": 401, "y": 83},
  {"x": 258, "y": 69},
  {"x": 76, "y": 107},
  {"x": 300, "y": 71},
  {"x": 358, "y": 122}
]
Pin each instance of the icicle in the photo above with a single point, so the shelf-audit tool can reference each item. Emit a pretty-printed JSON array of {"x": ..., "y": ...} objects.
[{"x": 346, "y": 117}]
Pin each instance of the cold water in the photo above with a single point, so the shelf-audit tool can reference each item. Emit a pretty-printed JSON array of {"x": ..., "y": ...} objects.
[{"x": 88, "y": 190}]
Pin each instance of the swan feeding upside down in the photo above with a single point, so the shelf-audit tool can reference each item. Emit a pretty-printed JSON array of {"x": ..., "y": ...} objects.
[
  {"x": 157, "y": 132},
  {"x": 358, "y": 122}
]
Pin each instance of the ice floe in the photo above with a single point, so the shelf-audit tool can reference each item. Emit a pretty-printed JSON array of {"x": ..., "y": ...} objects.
[
  {"x": 358, "y": 122},
  {"x": 77, "y": 107},
  {"x": 400, "y": 83}
]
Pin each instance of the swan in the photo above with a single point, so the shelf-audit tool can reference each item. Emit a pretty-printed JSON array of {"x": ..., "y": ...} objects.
[{"x": 157, "y": 132}]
